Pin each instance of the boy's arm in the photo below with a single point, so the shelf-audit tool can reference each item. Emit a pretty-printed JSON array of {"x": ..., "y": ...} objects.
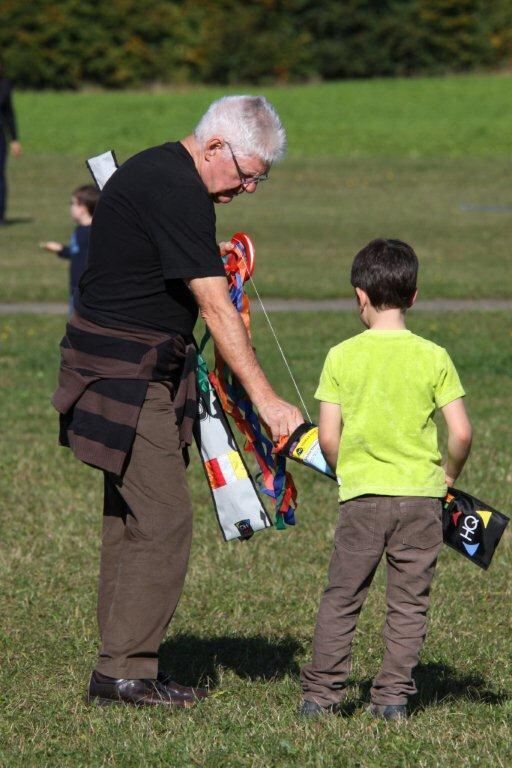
[
  {"x": 59, "y": 248},
  {"x": 459, "y": 438},
  {"x": 330, "y": 426}
]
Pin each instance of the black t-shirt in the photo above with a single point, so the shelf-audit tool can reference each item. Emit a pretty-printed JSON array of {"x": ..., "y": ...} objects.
[{"x": 153, "y": 226}]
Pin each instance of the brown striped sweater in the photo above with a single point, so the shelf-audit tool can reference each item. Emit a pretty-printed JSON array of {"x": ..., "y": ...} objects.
[{"x": 103, "y": 378}]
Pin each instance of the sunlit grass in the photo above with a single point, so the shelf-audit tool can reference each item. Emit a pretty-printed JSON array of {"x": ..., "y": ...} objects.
[{"x": 247, "y": 615}]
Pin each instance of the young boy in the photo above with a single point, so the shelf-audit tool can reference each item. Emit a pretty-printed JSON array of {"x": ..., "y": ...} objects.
[
  {"x": 378, "y": 393},
  {"x": 83, "y": 203}
]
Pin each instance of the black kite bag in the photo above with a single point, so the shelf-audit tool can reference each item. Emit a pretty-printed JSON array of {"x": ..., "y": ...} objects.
[{"x": 472, "y": 527}]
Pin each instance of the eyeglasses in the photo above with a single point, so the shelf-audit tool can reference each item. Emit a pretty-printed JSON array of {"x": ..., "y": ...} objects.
[{"x": 245, "y": 179}]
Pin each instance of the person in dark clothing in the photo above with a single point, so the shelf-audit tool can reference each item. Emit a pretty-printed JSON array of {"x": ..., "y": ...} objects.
[
  {"x": 83, "y": 203},
  {"x": 7, "y": 131},
  {"x": 127, "y": 377}
]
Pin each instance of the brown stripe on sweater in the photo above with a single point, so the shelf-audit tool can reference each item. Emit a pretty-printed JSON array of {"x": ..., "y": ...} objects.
[
  {"x": 99, "y": 396},
  {"x": 89, "y": 451},
  {"x": 93, "y": 402},
  {"x": 108, "y": 367},
  {"x": 142, "y": 335}
]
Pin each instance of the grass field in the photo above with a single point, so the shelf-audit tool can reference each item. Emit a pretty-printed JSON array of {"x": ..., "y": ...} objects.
[
  {"x": 425, "y": 160},
  {"x": 246, "y": 619}
]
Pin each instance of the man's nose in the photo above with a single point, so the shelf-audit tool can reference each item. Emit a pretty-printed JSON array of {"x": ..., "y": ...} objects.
[{"x": 251, "y": 187}]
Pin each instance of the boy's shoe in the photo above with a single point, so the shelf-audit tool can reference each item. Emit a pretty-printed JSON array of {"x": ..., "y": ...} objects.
[
  {"x": 312, "y": 709},
  {"x": 388, "y": 711}
]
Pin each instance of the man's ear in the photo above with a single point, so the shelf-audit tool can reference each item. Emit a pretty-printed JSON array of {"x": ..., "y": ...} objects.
[
  {"x": 213, "y": 146},
  {"x": 413, "y": 298}
]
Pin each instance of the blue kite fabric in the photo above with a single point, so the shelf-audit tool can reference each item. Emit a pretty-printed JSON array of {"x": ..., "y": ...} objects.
[{"x": 472, "y": 527}]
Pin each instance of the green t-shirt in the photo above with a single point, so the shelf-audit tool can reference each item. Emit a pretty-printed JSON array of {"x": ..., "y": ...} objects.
[{"x": 389, "y": 384}]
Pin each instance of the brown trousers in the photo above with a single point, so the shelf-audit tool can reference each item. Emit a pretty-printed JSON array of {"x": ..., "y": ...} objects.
[
  {"x": 147, "y": 529},
  {"x": 409, "y": 531}
]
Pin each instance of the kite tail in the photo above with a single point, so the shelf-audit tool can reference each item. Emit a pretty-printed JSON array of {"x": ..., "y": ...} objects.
[{"x": 273, "y": 479}]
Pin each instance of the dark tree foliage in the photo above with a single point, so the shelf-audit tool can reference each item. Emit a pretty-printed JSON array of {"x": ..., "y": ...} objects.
[{"x": 128, "y": 43}]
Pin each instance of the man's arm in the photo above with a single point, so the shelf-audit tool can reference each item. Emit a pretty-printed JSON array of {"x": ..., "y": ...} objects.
[
  {"x": 459, "y": 438},
  {"x": 330, "y": 426},
  {"x": 233, "y": 343}
]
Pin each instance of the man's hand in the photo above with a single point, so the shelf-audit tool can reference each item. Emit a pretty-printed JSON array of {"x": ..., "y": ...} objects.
[
  {"x": 280, "y": 417},
  {"x": 16, "y": 148},
  {"x": 224, "y": 248},
  {"x": 229, "y": 334}
]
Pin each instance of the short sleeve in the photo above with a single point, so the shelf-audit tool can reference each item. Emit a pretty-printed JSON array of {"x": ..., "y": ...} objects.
[
  {"x": 448, "y": 385},
  {"x": 182, "y": 226},
  {"x": 328, "y": 389}
]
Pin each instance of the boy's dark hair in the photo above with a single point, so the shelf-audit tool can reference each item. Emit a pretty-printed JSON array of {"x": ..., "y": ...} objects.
[
  {"x": 87, "y": 195},
  {"x": 387, "y": 270}
]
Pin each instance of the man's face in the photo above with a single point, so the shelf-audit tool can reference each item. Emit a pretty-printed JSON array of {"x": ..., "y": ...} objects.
[{"x": 227, "y": 177}]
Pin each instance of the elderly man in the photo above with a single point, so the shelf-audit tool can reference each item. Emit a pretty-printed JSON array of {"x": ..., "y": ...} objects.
[{"x": 126, "y": 390}]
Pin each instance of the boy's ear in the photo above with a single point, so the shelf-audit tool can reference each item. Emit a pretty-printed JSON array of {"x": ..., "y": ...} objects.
[
  {"x": 362, "y": 297},
  {"x": 413, "y": 298}
]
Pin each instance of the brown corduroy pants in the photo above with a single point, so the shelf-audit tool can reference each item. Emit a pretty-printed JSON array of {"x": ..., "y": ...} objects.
[
  {"x": 409, "y": 531},
  {"x": 147, "y": 529}
]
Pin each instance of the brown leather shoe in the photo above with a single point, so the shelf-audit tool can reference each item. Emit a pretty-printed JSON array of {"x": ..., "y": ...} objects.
[
  {"x": 194, "y": 694},
  {"x": 105, "y": 690}
]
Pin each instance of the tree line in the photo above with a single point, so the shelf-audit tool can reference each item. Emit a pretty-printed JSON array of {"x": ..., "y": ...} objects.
[{"x": 130, "y": 43}]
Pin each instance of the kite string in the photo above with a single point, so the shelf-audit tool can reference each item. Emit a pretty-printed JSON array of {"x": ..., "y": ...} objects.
[{"x": 277, "y": 340}]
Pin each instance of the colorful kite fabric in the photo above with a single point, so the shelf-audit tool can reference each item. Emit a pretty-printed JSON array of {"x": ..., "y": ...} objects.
[
  {"x": 237, "y": 505},
  {"x": 273, "y": 479}
]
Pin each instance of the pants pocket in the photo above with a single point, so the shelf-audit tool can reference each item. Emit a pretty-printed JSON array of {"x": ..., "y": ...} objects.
[
  {"x": 356, "y": 525},
  {"x": 420, "y": 524}
]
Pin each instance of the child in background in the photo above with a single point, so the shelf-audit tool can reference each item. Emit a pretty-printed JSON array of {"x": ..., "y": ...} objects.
[
  {"x": 83, "y": 203},
  {"x": 378, "y": 394}
]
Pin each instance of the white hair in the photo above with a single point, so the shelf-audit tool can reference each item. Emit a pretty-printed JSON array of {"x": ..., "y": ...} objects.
[{"x": 250, "y": 125}]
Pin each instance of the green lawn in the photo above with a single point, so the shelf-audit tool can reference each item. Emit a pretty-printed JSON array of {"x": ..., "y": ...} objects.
[
  {"x": 247, "y": 615},
  {"x": 425, "y": 160},
  {"x": 416, "y": 117}
]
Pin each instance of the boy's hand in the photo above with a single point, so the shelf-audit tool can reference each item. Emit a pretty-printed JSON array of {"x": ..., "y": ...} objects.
[
  {"x": 459, "y": 439},
  {"x": 52, "y": 246},
  {"x": 330, "y": 425},
  {"x": 449, "y": 480}
]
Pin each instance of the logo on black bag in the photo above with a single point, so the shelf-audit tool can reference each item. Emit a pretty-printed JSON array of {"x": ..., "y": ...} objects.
[{"x": 470, "y": 528}]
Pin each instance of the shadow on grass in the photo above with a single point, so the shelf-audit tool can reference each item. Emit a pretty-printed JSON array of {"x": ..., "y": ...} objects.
[
  {"x": 19, "y": 220},
  {"x": 192, "y": 660},
  {"x": 439, "y": 682}
]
